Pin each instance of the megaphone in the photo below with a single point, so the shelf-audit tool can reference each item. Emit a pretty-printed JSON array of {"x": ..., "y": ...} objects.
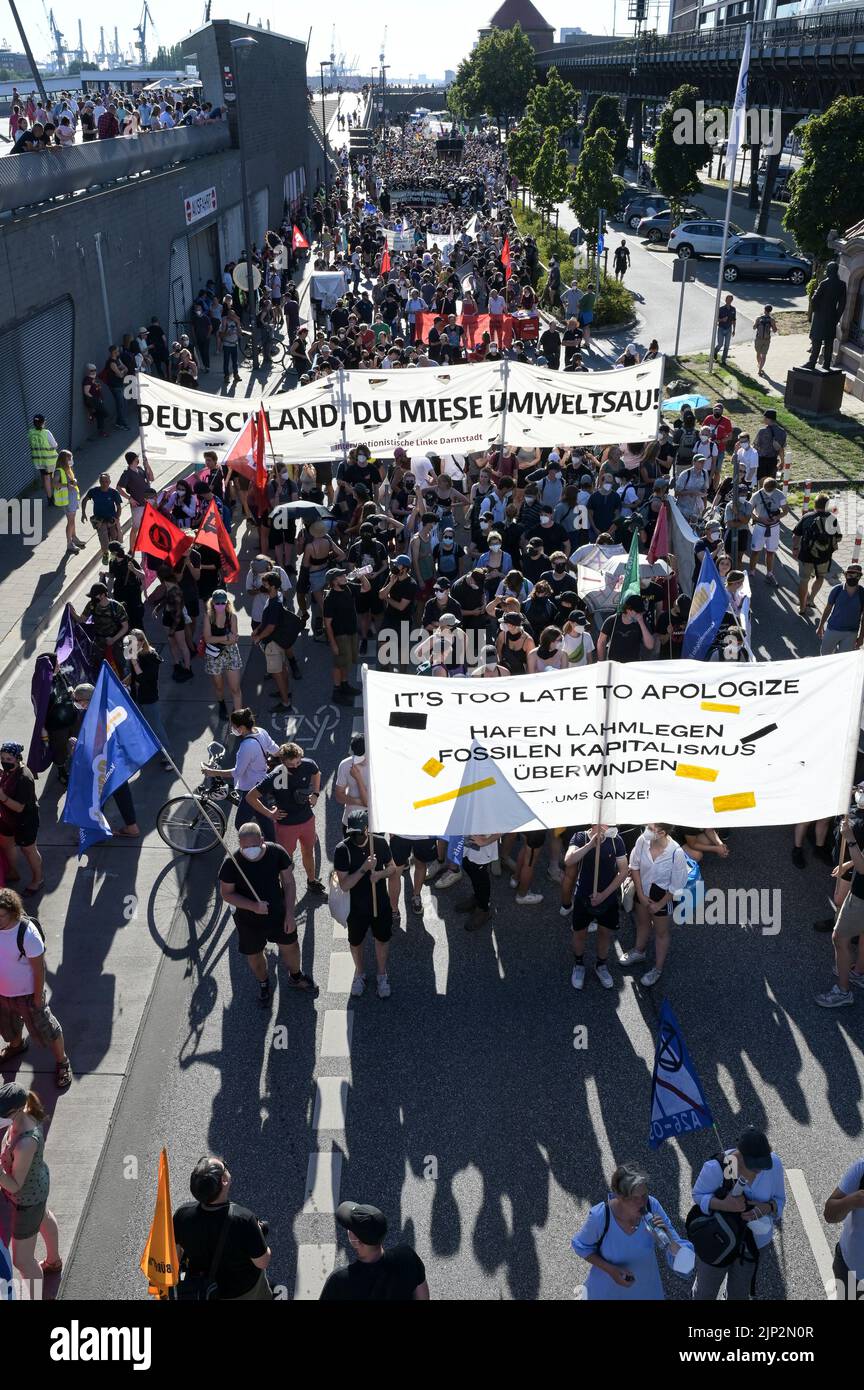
[{"x": 241, "y": 278}]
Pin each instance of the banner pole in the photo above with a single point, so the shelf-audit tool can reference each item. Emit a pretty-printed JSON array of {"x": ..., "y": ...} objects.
[
  {"x": 363, "y": 673},
  {"x": 343, "y": 412},
  {"x": 504, "y": 412}
]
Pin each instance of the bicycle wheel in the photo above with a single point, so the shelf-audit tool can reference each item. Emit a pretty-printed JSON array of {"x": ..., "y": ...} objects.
[{"x": 184, "y": 827}]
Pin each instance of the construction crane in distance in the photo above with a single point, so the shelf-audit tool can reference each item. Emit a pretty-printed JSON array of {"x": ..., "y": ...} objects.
[
  {"x": 141, "y": 31},
  {"x": 100, "y": 54},
  {"x": 80, "y": 51},
  {"x": 383, "y": 47},
  {"x": 115, "y": 51},
  {"x": 59, "y": 50}
]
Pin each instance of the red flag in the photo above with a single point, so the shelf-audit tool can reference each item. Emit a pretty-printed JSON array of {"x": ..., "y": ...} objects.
[
  {"x": 261, "y": 436},
  {"x": 505, "y": 258},
  {"x": 298, "y": 240},
  {"x": 659, "y": 547},
  {"x": 241, "y": 454},
  {"x": 157, "y": 535},
  {"x": 212, "y": 533},
  {"x": 385, "y": 261}
]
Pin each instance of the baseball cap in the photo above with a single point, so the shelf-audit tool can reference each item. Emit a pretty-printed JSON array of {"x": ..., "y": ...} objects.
[
  {"x": 448, "y": 620},
  {"x": 367, "y": 1223},
  {"x": 334, "y": 573},
  {"x": 261, "y": 564},
  {"x": 356, "y": 822},
  {"x": 219, "y": 596},
  {"x": 755, "y": 1150},
  {"x": 12, "y": 1097},
  {"x": 403, "y": 561}
]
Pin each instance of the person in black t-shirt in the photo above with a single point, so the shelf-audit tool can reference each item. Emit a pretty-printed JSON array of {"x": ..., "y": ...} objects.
[
  {"x": 263, "y": 868},
  {"x": 470, "y": 595},
  {"x": 595, "y": 866},
  {"x": 551, "y": 533},
  {"x": 377, "y": 1275},
  {"x": 341, "y": 625},
  {"x": 399, "y": 594},
  {"x": 198, "y": 1225},
  {"x": 362, "y": 553},
  {"x": 293, "y": 788},
  {"x": 362, "y": 873},
  {"x": 624, "y": 636},
  {"x": 560, "y": 577}
]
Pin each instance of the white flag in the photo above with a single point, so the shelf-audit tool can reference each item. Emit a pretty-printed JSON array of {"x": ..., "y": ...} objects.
[{"x": 736, "y": 122}]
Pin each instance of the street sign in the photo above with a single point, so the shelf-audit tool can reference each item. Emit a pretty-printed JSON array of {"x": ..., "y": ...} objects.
[
  {"x": 577, "y": 236},
  {"x": 199, "y": 205},
  {"x": 683, "y": 271}
]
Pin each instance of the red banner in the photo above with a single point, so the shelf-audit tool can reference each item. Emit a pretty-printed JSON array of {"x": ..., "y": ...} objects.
[
  {"x": 212, "y": 533},
  {"x": 425, "y": 322},
  {"x": 157, "y": 535}
]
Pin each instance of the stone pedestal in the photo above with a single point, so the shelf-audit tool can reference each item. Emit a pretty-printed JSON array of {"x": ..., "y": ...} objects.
[{"x": 814, "y": 392}]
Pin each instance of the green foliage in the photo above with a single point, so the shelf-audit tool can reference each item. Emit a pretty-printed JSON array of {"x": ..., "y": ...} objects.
[
  {"x": 605, "y": 114},
  {"x": 523, "y": 144},
  {"x": 73, "y": 68},
  {"x": 549, "y": 176},
  {"x": 167, "y": 58},
  {"x": 553, "y": 102},
  {"x": 594, "y": 184},
  {"x": 496, "y": 77},
  {"x": 823, "y": 196},
  {"x": 463, "y": 98},
  {"x": 677, "y": 162},
  {"x": 615, "y": 302}
]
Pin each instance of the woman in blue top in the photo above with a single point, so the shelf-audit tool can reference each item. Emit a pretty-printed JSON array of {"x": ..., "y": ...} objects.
[{"x": 618, "y": 1242}]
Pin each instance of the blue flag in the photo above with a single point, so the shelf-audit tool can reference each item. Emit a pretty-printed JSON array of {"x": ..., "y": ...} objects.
[
  {"x": 678, "y": 1104},
  {"x": 455, "y": 850},
  {"x": 369, "y": 209},
  {"x": 115, "y": 740},
  {"x": 708, "y": 608}
]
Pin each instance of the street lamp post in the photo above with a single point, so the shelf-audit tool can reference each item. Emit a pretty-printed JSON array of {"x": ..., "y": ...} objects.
[
  {"x": 239, "y": 46},
  {"x": 325, "y": 63},
  {"x": 384, "y": 69}
]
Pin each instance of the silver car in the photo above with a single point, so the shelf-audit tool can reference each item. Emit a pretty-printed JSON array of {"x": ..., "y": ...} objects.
[{"x": 764, "y": 258}]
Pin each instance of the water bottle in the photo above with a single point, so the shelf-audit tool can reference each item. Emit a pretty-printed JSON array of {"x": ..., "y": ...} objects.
[{"x": 661, "y": 1238}]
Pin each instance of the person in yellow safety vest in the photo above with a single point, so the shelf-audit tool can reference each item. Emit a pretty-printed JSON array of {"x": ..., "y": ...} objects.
[
  {"x": 43, "y": 451},
  {"x": 67, "y": 495}
]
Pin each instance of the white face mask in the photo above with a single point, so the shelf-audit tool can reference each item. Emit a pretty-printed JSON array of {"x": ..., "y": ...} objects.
[
  {"x": 253, "y": 852},
  {"x": 859, "y": 799},
  {"x": 605, "y": 487},
  {"x": 5, "y": 1123},
  {"x": 545, "y": 521},
  {"x": 611, "y": 831},
  {"x": 651, "y": 836},
  {"x": 494, "y": 549}
]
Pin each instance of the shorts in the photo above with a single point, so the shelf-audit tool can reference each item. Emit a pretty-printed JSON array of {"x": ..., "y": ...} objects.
[
  {"x": 27, "y": 1220},
  {"x": 586, "y": 318},
  {"x": 766, "y": 467},
  {"x": 606, "y": 915},
  {"x": 317, "y": 580},
  {"x": 424, "y": 851},
  {"x": 535, "y": 839},
  {"x": 346, "y": 650},
  {"x": 290, "y": 836},
  {"x": 807, "y": 570},
  {"x": 26, "y": 830},
  {"x": 251, "y": 940},
  {"x": 19, "y": 1012},
  {"x": 324, "y": 473},
  {"x": 382, "y": 925},
  {"x": 228, "y": 659},
  {"x": 369, "y": 603},
  {"x": 765, "y": 538},
  {"x": 850, "y": 918},
  {"x": 275, "y": 657},
  {"x": 283, "y": 535}
]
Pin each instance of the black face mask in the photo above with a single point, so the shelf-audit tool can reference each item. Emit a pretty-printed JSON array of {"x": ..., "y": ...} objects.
[{"x": 7, "y": 767}]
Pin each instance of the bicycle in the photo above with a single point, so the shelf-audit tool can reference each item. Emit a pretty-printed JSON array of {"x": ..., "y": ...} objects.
[
  {"x": 182, "y": 822},
  {"x": 279, "y": 353}
]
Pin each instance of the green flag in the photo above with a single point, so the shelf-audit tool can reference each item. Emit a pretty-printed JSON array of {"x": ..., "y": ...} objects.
[{"x": 631, "y": 574}]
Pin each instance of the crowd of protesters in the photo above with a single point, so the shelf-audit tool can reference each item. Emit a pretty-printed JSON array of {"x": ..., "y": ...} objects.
[{"x": 78, "y": 117}]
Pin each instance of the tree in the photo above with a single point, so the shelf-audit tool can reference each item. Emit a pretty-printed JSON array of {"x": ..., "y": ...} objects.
[
  {"x": 550, "y": 173},
  {"x": 523, "y": 144},
  {"x": 73, "y": 68},
  {"x": 167, "y": 59},
  {"x": 594, "y": 184},
  {"x": 823, "y": 196},
  {"x": 463, "y": 98},
  {"x": 605, "y": 114},
  {"x": 680, "y": 150},
  {"x": 553, "y": 102},
  {"x": 495, "y": 78}
]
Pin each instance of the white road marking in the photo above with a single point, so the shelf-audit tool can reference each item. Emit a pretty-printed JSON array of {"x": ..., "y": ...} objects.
[
  {"x": 338, "y": 1029},
  {"x": 341, "y": 973},
  {"x": 813, "y": 1229},
  {"x": 323, "y": 1178},
  {"x": 314, "y": 1265},
  {"x": 331, "y": 1100}
]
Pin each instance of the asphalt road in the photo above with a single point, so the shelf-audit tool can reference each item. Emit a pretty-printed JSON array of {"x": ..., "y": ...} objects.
[{"x": 471, "y": 1118}]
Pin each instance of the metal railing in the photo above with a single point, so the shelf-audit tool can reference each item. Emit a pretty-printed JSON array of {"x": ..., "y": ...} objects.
[{"x": 27, "y": 179}]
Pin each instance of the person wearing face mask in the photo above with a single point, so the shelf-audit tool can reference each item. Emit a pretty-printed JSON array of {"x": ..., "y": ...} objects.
[
  {"x": 604, "y": 504},
  {"x": 767, "y": 507},
  {"x": 549, "y": 653},
  {"x": 222, "y": 656},
  {"x": 448, "y": 555},
  {"x": 550, "y": 532},
  {"x": 747, "y": 1182},
  {"x": 259, "y": 885},
  {"x": 710, "y": 541},
  {"x": 595, "y": 866},
  {"x": 559, "y": 576},
  {"x": 659, "y": 870},
  {"x": 19, "y": 817},
  {"x": 368, "y": 553},
  {"x": 624, "y": 636},
  {"x": 489, "y": 666},
  {"x": 421, "y": 549},
  {"x": 514, "y": 644},
  {"x": 841, "y": 628},
  {"x": 618, "y": 1241},
  {"x": 350, "y": 784},
  {"x": 364, "y": 865},
  {"x": 470, "y": 594},
  {"x": 399, "y": 594},
  {"x": 26, "y": 1182},
  {"x": 495, "y": 561},
  {"x": 577, "y": 643},
  {"x": 442, "y": 601},
  {"x": 254, "y": 755}
]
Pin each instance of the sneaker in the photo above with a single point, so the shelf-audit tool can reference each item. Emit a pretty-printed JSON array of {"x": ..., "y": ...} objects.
[
  {"x": 187, "y": 674},
  {"x": 529, "y": 899},
  {"x": 433, "y": 869},
  {"x": 565, "y": 910},
  {"x": 384, "y": 990},
  {"x": 555, "y": 872},
  {"x": 358, "y": 985},
  {"x": 478, "y": 919},
  {"x": 651, "y": 977},
  {"x": 798, "y": 857},
  {"x": 314, "y": 885},
  {"x": 835, "y": 998},
  {"x": 264, "y": 995},
  {"x": 769, "y": 579},
  {"x": 602, "y": 973},
  {"x": 417, "y": 903},
  {"x": 577, "y": 977},
  {"x": 280, "y": 708},
  {"x": 448, "y": 878},
  {"x": 351, "y": 690},
  {"x": 855, "y": 977},
  {"x": 632, "y": 957}
]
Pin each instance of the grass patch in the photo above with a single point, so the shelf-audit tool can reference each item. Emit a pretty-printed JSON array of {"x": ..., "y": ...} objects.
[
  {"x": 615, "y": 302},
  {"x": 830, "y": 448}
]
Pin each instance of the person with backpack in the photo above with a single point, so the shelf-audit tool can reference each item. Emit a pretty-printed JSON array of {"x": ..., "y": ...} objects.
[
  {"x": 26, "y": 1182},
  {"x": 841, "y": 628},
  {"x": 222, "y": 1247},
  {"x": 659, "y": 869},
  {"x": 254, "y": 755},
  {"x": 277, "y": 629},
  {"x": 19, "y": 816},
  {"x": 768, "y": 506},
  {"x": 764, "y": 329},
  {"x": 691, "y": 488},
  {"x": 739, "y": 1197},
  {"x": 620, "y": 1239},
  {"x": 22, "y": 989},
  {"x": 813, "y": 544},
  {"x": 846, "y": 1205}
]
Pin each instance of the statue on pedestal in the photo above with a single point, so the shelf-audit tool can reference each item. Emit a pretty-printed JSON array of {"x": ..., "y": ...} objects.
[{"x": 829, "y": 302}]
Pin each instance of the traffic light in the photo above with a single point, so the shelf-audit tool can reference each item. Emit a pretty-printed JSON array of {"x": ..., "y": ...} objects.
[{"x": 638, "y": 11}]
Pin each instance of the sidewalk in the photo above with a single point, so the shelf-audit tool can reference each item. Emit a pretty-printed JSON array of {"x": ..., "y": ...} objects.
[{"x": 787, "y": 350}]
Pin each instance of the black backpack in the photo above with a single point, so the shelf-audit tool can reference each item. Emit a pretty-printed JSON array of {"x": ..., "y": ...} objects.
[
  {"x": 686, "y": 444},
  {"x": 202, "y": 1288},
  {"x": 22, "y": 928},
  {"x": 819, "y": 542},
  {"x": 722, "y": 1237}
]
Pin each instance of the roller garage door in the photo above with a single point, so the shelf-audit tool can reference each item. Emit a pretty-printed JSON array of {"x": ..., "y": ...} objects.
[{"x": 36, "y": 379}]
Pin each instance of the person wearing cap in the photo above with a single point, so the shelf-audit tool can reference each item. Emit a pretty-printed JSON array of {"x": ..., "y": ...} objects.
[
  {"x": 376, "y": 1275},
  {"x": 26, "y": 1182},
  {"x": 443, "y": 651},
  {"x": 367, "y": 553},
  {"x": 841, "y": 627},
  {"x": 110, "y": 624},
  {"x": 222, "y": 658},
  {"x": 363, "y": 865},
  {"x": 448, "y": 554},
  {"x": 753, "y": 1186},
  {"x": 260, "y": 566},
  {"x": 22, "y": 990},
  {"x": 342, "y": 627},
  {"x": 107, "y": 505},
  {"x": 442, "y": 601},
  {"x": 399, "y": 594},
  {"x": 259, "y": 885},
  {"x": 198, "y": 1229},
  {"x": 91, "y": 389}
]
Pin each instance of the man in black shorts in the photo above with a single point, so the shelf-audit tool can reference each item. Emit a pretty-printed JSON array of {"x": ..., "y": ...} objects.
[
  {"x": 593, "y": 903},
  {"x": 363, "y": 871},
  {"x": 265, "y": 869},
  {"x": 377, "y": 1275},
  {"x": 426, "y": 865}
]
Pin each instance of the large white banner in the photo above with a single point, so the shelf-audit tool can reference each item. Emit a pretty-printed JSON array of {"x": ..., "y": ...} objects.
[
  {"x": 462, "y": 409},
  {"x": 682, "y": 742}
]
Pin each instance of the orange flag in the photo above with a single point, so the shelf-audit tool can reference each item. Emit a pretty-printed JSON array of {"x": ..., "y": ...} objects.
[
  {"x": 212, "y": 533},
  {"x": 505, "y": 258},
  {"x": 159, "y": 1261},
  {"x": 385, "y": 261}
]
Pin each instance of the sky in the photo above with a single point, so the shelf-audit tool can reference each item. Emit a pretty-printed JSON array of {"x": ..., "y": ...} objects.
[{"x": 421, "y": 37}]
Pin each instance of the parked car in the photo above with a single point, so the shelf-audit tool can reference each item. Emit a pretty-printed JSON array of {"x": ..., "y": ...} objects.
[
  {"x": 657, "y": 227},
  {"x": 704, "y": 238},
  {"x": 643, "y": 205},
  {"x": 764, "y": 258}
]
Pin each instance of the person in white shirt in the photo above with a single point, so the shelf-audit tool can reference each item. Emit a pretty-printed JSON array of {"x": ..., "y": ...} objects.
[
  {"x": 846, "y": 1204},
  {"x": 748, "y": 460},
  {"x": 349, "y": 788},
  {"x": 166, "y": 120},
  {"x": 659, "y": 869},
  {"x": 751, "y": 1180},
  {"x": 259, "y": 566},
  {"x": 251, "y": 766},
  {"x": 691, "y": 489}
]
